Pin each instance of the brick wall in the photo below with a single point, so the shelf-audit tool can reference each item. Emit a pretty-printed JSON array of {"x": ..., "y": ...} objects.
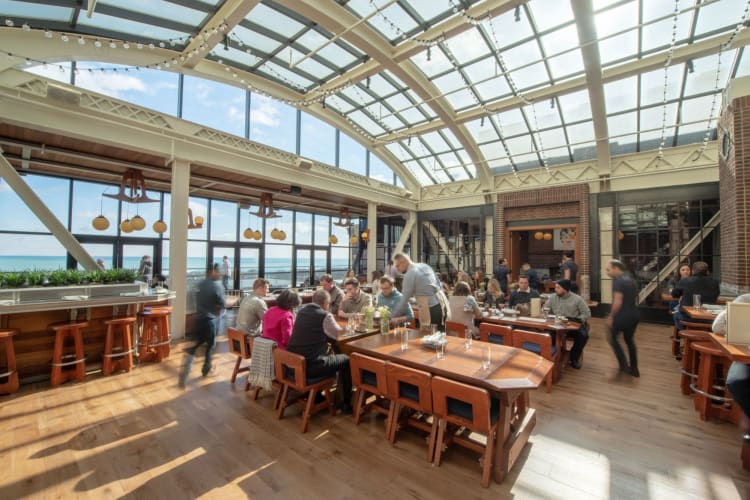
[
  {"x": 547, "y": 203},
  {"x": 734, "y": 176}
]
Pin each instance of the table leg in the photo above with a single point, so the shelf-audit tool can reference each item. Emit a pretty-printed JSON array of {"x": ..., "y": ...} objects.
[{"x": 509, "y": 443}]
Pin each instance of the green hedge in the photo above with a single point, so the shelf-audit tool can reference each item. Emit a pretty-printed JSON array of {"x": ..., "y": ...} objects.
[{"x": 65, "y": 277}]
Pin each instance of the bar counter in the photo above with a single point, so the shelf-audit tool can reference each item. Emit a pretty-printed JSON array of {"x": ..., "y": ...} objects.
[{"x": 32, "y": 310}]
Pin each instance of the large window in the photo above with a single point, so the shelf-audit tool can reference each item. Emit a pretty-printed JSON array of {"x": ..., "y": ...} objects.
[
  {"x": 317, "y": 140},
  {"x": 273, "y": 123},
  {"x": 19, "y": 217},
  {"x": 651, "y": 235},
  {"x": 352, "y": 155}
]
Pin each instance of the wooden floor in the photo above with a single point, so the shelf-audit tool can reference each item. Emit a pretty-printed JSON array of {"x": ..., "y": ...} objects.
[{"x": 138, "y": 435}]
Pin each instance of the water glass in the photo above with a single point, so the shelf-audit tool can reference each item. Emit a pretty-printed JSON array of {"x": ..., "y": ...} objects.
[
  {"x": 440, "y": 350},
  {"x": 404, "y": 339},
  {"x": 467, "y": 341},
  {"x": 697, "y": 300},
  {"x": 486, "y": 357}
]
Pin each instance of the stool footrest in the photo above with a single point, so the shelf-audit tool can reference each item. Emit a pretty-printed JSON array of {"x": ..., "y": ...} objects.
[
  {"x": 118, "y": 354},
  {"x": 712, "y": 397},
  {"x": 69, "y": 363},
  {"x": 165, "y": 342},
  {"x": 687, "y": 373},
  {"x": 7, "y": 374}
]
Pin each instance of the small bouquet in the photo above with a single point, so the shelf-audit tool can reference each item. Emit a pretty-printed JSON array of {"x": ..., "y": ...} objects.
[
  {"x": 369, "y": 316},
  {"x": 385, "y": 318}
]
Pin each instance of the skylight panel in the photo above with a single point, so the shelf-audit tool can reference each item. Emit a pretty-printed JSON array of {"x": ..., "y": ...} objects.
[
  {"x": 652, "y": 85},
  {"x": 435, "y": 142},
  {"x": 135, "y": 29},
  {"x": 621, "y": 125},
  {"x": 697, "y": 109},
  {"x": 338, "y": 103},
  {"x": 366, "y": 123},
  {"x": 381, "y": 86},
  {"x": 493, "y": 152},
  {"x": 280, "y": 23},
  {"x": 482, "y": 70},
  {"x": 580, "y": 132},
  {"x": 554, "y": 138},
  {"x": 468, "y": 46},
  {"x": 546, "y": 116},
  {"x": 482, "y": 131},
  {"x": 436, "y": 63},
  {"x": 520, "y": 145},
  {"x": 512, "y": 123},
  {"x": 529, "y": 77},
  {"x": 620, "y": 95},
  {"x": 399, "y": 152},
  {"x": 240, "y": 57},
  {"x": 418, "y": 172},
  {"x": 449, "y": 82},
  {"x": 717, "y": 15},
  {"x": 280, "y": 72},
  {"x": 659, "y": 34},
  {"x": 575, "y": 106},
  {"x": 461, "y": 99},
  {"x": 315, "y": 68},
  {"x": 160, "y": 9},
  {"x": 255, "y": 41},
  {"x": 703, "y": 77},
  {"x": 619, "y": 48},
  {"x": 21, "y": 11},
  {"x": 431, "y": 9},
  {"x": 550, "y": 13},
  {"x": 452, "y": 140},
  {"x": 508, "y": 31},
  {"x": 528, "y": 161}
]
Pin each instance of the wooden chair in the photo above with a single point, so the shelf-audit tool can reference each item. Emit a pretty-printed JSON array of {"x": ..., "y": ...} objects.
[
  {"x": 467, "y": 407},
  {"x": 690, "y": 358},
  {"x": 291, "y": 372},
  {"x": 241, "y": 345},
  {"x": 369, "y": 377},
  {"x": 11, "y": 383},
  {"x": 411, "y": 389},
  {"x": 676, "y": 343},
  {"x": 496, "y": 334},
  {"x": 455, "y": 328},
  {"x": 693, "y": 325},
  {"x": 60, "y": 372},
  {"x": 118, "y": 357},
  {"x": 540, "y": 343}
]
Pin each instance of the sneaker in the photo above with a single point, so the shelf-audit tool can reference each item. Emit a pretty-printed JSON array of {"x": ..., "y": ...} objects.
[
  {"x": 575, "y": 364},
  {"x": 211, "y": 373},
  {"x": 634, "y": 372}
]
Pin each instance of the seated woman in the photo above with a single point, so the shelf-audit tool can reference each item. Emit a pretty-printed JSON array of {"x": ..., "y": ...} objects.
[
  {"x": 480, "y": 280},
  {"x": 683, "y": 272},
  {"x": 278, "y": 321},
  {"x": 464, "y": 307},
  {"x": 445, "y": 283},
  {"x": 494, "y": 296}
]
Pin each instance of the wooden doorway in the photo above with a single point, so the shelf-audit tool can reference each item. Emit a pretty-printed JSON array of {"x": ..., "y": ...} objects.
[{"x": 541, "y": 245}]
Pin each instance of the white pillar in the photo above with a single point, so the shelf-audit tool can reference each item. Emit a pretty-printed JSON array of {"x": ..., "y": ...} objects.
[
  {"x": 45, "y": 215},
  {"x": 372, "y": 244},
  {"x": 178, "y": 232}
]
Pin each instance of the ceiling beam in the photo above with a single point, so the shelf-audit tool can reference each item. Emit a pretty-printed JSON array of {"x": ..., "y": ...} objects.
[
  {"x": 230, "y": 13},
  {"x": 681, "y": 54},
  {"x": 337, "y": 20},
  {"x": 583, "y": 11}
]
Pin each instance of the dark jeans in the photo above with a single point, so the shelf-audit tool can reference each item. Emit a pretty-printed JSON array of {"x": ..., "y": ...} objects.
[
  {"x": 738, "y": 381},
  {"x": 679, "y": 316},
  {"x": 627, "y": 326},
  {"x": 205, "y": 329},
  {"x": 331, "y": 364},
  {"x": 581, "y": 337}
]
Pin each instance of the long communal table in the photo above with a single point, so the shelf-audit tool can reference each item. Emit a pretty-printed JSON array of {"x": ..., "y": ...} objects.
[{"x": 512, "y": 374}]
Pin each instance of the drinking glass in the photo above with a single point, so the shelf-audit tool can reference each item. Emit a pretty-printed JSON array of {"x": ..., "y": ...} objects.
[
  {"x": 467, "y": 340},
  {"x": 404, "y": 339},
  {"x": 697, "y": 300},
  {"x": 433, "y": 329},
  {"x": 486, "y": 357},
  {"x": 440, "y": 350}
]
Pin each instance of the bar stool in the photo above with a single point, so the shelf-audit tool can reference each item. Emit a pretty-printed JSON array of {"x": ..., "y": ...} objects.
[
  {"x": 77, "y": 358},
  {"x": 11, "y": 375},
  {"x": 154, "y": 343},
  {"x": 712, "y": 399},
  {"x": 118, "y": 357},
  {"x": 690, "y": 358}
]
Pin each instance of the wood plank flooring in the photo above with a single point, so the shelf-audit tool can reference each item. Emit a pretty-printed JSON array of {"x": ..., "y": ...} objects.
[{"x": 137, "y": 435}]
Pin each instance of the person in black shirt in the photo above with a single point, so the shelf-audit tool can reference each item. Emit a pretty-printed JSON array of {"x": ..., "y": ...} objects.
[
  {"x": 501, "y": 274},
  {"x": 569, "y": 270},
  {"x": 623, "y": 317},
  {"x": 531, "y": 274},
  {"x": 309, "y": 339},
  {"x": 700, "y": 283}
]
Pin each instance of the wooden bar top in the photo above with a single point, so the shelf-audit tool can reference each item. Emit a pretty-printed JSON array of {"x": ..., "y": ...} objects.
[
  {"x": 699, "y": 313},
  {"x": 737, "y": 352},
  {"x": 83, "y": 301}
]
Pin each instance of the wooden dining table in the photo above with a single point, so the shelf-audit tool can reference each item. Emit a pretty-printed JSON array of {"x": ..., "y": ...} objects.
[
  {"x": 546, "y": 325},
  {"x": 511, "y": 375},
  {"x": 699, "y": 313}
]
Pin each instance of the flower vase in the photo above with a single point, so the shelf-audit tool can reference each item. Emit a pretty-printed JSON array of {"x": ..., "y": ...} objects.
[
  {"x": 384, "y": 325},
  {"x": 369, "y": 320}
]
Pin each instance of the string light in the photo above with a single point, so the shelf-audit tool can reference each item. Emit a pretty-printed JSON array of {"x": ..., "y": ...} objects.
[{"x": 670, "y": 53}]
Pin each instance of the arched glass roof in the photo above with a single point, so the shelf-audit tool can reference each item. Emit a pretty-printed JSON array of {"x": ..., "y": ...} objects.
[{"x": 444, "y": 90}]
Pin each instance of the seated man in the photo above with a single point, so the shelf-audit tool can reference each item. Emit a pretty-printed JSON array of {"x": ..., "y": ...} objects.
[
  {"x": 390, "y": 297},
  {"x": 524, "y": 293},
  {"x": 531, "y": 274},
  {"x": 329, "y": 285},
  {"x": 312, "y": 328},
  {"x": 572, "y": 306},
  {"x": 700, "y": 283},
  {"x": 252, "y": 308},
  {"x": 355, "y": 299}
]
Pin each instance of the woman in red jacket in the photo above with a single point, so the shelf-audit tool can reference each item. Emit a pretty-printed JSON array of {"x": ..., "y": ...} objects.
[{"x": 279, "y": 319}]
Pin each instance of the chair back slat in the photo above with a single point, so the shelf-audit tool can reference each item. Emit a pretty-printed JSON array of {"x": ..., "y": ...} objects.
[
  {"x": 455, "y": 328},
  {"x": 290, "y": 369},
  {"x": 543, "y": 340},
  {"x": 487, "y": 330},
  {"x": 445, "y": 390},
  {"x": 359, "y": 363},
  {"x": 240, "y": 343},
  {"x": 399, "y": 377}
]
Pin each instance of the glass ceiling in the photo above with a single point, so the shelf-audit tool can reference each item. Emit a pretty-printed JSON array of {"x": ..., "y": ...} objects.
[{"x": 487, "y": 95}]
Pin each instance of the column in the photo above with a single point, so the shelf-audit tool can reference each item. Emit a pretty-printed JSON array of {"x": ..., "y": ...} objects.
[
  {"x": 372, "y": 244},
  {"x": 178, "y": 233}
]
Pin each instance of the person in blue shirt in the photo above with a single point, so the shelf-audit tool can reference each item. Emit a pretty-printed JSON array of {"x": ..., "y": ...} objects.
[
  {"x": 421, "y": 283},
  {"x": 390, "y": 297}
]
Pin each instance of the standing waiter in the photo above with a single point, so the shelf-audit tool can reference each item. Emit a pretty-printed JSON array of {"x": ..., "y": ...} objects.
[
  {"x": 623, "y": 316},
  {"x": 421, "y": 283}
]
